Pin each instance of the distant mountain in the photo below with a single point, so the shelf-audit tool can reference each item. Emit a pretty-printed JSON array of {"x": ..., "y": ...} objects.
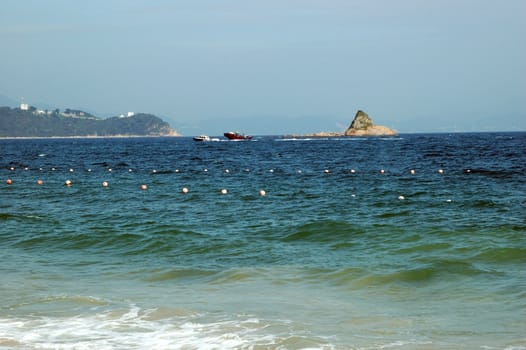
[{"x": 30, "y": 122}]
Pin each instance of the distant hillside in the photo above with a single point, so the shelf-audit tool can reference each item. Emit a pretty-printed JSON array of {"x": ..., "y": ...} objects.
[{"x": 15, "y": 122}]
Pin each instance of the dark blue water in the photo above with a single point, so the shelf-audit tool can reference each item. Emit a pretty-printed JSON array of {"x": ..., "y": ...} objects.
[{"x": 348, "y": 249}]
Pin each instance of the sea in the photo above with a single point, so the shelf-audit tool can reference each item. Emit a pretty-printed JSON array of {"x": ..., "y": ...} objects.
[{"x": 410, "y": 242}]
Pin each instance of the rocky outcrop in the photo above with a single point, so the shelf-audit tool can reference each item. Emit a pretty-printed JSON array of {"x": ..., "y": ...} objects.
[{"x": 362, "y": 125}]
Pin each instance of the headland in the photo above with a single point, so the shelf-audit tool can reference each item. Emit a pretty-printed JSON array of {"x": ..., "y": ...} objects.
[{"x": 29, "y": 122}]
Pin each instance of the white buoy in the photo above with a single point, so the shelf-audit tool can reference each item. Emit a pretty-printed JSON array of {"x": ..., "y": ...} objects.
[
  {"x": 271, "y": 171},
  {"x": 130, "y": 170},
  {"x": 382, "y": 171},
  {"x": 227, "y": 171},
  {"x": 144, "y": 187},
  {"x": 89, "y": 170},
  {"x": 327, "y": 171},
  {"x": 26, "y": 168},
  {"x": 154, "y": 171},
  {"x": 299, "y": 171},
  {"x": 224, "y": 191},
  {"x": 401, "y": 197},
  {"x": 412, "y": 171},
  {"x": 205, "y": 170},
  {"x": 68, "y": 183},
  {"x": 104, "y": 184},
  {"x": 440, "y": 171},
  {"x": 448, "y": 200},
  {"x": 262, "y": 193},
  {"x": 110, "y": 170},
  {"x": 184, "y": 190},
  {"x": 353, "y": 171},
  {"x": 71, "y": 170}
]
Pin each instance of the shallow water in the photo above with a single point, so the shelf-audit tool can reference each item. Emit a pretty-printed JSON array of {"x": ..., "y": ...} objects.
[{"x": 337, "y": 255}]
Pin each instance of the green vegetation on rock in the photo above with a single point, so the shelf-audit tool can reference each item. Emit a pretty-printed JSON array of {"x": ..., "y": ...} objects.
[{"x": 15, "y": 122}]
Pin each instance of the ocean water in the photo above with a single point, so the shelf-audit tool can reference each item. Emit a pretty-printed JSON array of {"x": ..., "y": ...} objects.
[{"x": 336, "y": 255}]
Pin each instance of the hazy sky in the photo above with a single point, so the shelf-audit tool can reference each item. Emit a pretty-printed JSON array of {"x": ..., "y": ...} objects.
[{"x": 273, "y": 66}]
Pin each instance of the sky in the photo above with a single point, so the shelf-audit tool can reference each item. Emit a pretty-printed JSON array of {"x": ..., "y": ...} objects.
[{"x": 272, "y": 67}]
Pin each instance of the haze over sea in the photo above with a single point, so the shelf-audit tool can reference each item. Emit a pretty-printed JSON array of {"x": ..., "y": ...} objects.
[{"x": 336, "y": 255}]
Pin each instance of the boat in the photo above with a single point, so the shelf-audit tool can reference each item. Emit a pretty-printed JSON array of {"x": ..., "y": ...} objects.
[
  {"x": 202, "y": 138},
  {"x": 231, "y": 135}
]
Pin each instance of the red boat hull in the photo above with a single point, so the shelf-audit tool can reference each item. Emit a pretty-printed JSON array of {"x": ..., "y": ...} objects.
[{"x": 236, "y": 136}]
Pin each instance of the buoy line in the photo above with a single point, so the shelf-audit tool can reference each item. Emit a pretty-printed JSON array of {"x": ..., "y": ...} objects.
[
  {"x": 205, "y": 170},
  {"x": 183, "y": 190},
  {"x": 354, "y": 171},
  {"x": 79, "y": 174}
]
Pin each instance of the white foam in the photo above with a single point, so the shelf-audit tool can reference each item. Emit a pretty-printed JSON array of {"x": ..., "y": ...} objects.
[
  {"x": 294, "y": 139},
  {"x": 135, "y": 328}
]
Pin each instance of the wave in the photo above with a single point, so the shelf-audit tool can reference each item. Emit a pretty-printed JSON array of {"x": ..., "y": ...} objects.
[
  {"x": 104, "y": 239},
  {"x": 394, "y": 214},
  {"x": 502, "y": 255},
  {"x": 497, "y": 174},
  {"x": 178, "y": 274},
  {"x": 484, "y": 203},
  {"x": 25, "y": 218},
  {"x": 62, "y": 304},
  {"x": 353, "y": 277},
  {"x": 420, "y": 274},
  {"x": 425, "y": 248},
  {"x": 415, "y": 276},
  {"x": 322, "y": 231},
  {"x": 239, "y": 275},
  {"x": 157, "y": 328}
]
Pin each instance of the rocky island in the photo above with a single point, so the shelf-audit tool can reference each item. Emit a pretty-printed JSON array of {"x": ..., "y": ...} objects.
[
  {"x": 362, "y": 125},
  {"x": 27, "y": 121}
]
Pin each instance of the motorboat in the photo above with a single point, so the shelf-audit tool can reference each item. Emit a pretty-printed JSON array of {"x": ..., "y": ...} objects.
[
  {"x": 202, "y": 138},
  {"x": 232, "y": 135}
]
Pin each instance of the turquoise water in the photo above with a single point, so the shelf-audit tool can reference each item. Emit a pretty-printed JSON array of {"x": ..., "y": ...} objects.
[{"x": 336, "y": 255}]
